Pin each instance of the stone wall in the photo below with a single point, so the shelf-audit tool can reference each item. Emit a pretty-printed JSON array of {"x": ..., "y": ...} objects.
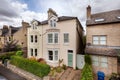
[{"x": 112, "y": 31}]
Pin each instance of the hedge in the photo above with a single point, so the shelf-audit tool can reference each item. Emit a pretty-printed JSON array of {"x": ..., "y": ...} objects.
[
  {"x": 34, "y": 67},
  {"x": 7, "y": 55},
  {"x": 87, "y": 70}
]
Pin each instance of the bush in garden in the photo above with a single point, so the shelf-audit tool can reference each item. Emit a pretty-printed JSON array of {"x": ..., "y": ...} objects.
[
  {"x": 114, "y": 76},
  {"x": 19, "y": 53},
  {"x": 32, "y": 66},
  {"x": 87, "y": 72},
  {"x": 41, "y": 60},
  {"x": 32, "y": 58},
  {"x": 64, "y": 66},
  {"x": 87, "y": 69},
  {"x": 7, "y": 55},
  {"x": 88, "y": 59}
]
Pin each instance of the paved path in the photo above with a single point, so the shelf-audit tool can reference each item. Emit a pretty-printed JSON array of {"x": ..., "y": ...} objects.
[{"x": 9, "y": 74}]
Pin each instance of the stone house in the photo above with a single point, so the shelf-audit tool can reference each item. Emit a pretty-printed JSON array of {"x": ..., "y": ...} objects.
[
  {"x": 14, "y": 33},
  {"x": 103, "y": 40},
  {"x": 55, "y": 39}
]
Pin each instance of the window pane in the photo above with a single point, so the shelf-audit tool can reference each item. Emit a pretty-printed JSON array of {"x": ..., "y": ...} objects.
[
  {"x": 50, "y": 55},
  {"x": 103, "y": 59},
  {"x": 95, "y": 63},
  {"x": 95, "y": 58},
  {"x": 104, "y": 65},
  {"x": 56, "y": 55},
  {"x": 51, "y": 23},
  {"x": 103, "y": 38},
  {"x": 31, "y": 38},
  {"x": 66, "y": 38},
  {"x": 95, "y": 38},
  {"x": 50, "y": 38},
  {"x": 35, "y": 52},
  {"x": 35, "y": 38},
  {"x": 95, "y": 42},
  {"x": 31, "y": 50},
  {"x": 103, "y": 42},
  {"x": 56, "y": 37}
]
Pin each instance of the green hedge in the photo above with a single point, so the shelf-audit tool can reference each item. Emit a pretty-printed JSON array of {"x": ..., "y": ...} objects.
[
  {"x": 34, "y": 67},
  {"x": 7, "y": 55},
  {"x": 87, "y": 70}
]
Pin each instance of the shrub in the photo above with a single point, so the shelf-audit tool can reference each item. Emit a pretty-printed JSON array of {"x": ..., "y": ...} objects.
[
  {"x": 64, "y": 66},
  {"x": 87, "y": 69},
  {"x": 32, "y": 58},
  {"x": 19, "y": 53},
  {"x": 41, "y": 60},
  {"x": 114, "y": 76},
  {"x": 32, "y": 66},
  {"x": 87, "y": 72},
  {"x": 88, "y": 59},
  {"x": 58, "y": 69},
  {"x": 6, "y": 55}
]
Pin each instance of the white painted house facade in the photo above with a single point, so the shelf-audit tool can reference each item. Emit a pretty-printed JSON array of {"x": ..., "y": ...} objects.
[{"x": 55, "y": 39}]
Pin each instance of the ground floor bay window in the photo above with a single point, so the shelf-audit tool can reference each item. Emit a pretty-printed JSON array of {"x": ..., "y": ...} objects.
[
  {"x": 100, "y": 61},
  {"x": 53, "y": 55}
]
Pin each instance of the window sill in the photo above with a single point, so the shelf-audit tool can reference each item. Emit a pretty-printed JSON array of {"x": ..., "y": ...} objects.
[
  {"x": 66, "y": 44},
  {"x": 52, "y": 61}
]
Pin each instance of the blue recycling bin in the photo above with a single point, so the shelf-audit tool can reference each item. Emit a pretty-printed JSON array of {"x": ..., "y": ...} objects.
[{"x": 100, "y": 75}]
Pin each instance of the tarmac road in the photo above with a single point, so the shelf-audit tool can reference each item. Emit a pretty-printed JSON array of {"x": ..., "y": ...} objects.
[{"x": 9, "y": 74}]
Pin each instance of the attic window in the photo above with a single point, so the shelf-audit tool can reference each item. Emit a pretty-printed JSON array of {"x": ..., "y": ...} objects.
[
  {"x": 99, "y": 20},
  {"x": 118, "y": 17}
]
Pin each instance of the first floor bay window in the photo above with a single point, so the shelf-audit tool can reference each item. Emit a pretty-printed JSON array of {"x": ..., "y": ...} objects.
[{"x": 53, "y": 55}]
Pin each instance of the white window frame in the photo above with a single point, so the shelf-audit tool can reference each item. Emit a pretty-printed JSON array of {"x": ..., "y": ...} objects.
[
  {"x": 53, "y": 23},
  {"x": 53, "y": 50},
  {"x": 64, "y": 38},
  {"x": 53, "y": 38},
  {"x": 99, "y": 39}
]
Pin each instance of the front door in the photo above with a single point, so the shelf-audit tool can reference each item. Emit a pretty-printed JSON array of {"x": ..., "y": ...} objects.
[{"x": 70, "y": 58}]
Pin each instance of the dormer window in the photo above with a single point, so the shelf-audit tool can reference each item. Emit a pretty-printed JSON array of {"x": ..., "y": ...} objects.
[
  {"x": 118, "y": 17},
  {"x": 53, "y": 23},
  {"x": 99, "y": 20}
]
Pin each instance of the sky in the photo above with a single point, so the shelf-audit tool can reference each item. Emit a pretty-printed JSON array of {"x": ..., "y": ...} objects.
[{"x": 12, "y": 12}]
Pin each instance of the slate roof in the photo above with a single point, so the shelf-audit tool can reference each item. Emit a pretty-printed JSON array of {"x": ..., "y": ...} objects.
[
  {"x": 103, "y": 51},
  {"x": 6, "y": 31},
  {"x": 109, "y": 17},
  {"x": 62, "y": 18}
]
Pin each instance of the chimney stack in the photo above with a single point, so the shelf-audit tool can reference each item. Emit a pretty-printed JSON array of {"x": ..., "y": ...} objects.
[
  {"x": 88, "y": 12},
  {"x": 51, "y": 13}
]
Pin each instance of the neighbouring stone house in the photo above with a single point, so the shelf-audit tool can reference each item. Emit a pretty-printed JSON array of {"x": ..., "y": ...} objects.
[
  {"x": 55, "y": 39},
  {"x": 103, "y": 40},
  {"x": 14, "y": 33}
]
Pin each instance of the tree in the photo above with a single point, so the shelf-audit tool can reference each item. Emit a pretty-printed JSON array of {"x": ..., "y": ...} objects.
[{"x": 11, "y": 46}]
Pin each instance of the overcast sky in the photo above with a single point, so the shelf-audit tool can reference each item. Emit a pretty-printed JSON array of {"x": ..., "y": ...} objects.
[{"x": 12, "y": 12}]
